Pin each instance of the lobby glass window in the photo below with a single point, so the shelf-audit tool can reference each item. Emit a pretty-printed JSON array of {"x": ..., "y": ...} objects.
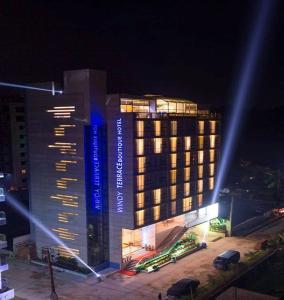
[
  {"x": 158, "y": 145},
  {"x": 187, "y": 204},
  {"x": 199, "y": 200},
  {"x": 173, "y": 208},
  {"x": 200, "y": 186},
  {"x": 139, "y": 146},
  {"x": 186, "y": 174},
  {"x": 211, "y": 169},
  {"x": 212, "y": 155},
  {"x": 157, "y": 196},
  {"x": 212, "y": 141},
  {"x": 200, "y": 157},
  {"x": 200, "y": 171},
  {"x": 140, "y": 182},
  {"x": 173, "y": 160},
  {"x": 173, "y": 192},
  {"x": 139, "y": 217},
  {"x": 156, "y": 212},
  {"x": 140, "y": 128},
  {"x": 187, "y": 159},
  {"x": 173, "y": 176},
  {"x": 201, "y": 127},
  {"x": 141, "y": 164},
  {"x": 157, "y": 127},
  {"x": 200, "y": 142},
  {"x": 173, "y": 127},
  {"x": 212, "y": 127},
  {"x": 173, "y": 144},
  {"x": 140, "y": 200},
  {"x": 211, "y": 183},
  {"x": 187, "y": 143},
  {"x": 186, "y": 189}
]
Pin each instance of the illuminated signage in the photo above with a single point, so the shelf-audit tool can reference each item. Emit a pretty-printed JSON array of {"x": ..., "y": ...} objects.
[
  {"x": 119, "y": 167},
  {"x": 96, "y": 178}
]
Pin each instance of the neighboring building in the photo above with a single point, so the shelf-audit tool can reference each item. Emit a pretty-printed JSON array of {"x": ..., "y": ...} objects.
[
  {"x": 13, "y": 146},
  {"x": 5, "y": 292},
  {"x": 109, "y": 175}
]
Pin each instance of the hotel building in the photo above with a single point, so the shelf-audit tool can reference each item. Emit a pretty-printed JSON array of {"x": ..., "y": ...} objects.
[{"x": 113, "y": 174}]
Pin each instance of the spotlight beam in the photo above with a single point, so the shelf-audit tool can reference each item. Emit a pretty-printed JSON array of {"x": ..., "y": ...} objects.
[
  {"x": 28, "y": 87},
  {"x": 242, "y": 90}
]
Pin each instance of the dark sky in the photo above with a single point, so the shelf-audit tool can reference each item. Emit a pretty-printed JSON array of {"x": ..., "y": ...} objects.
[{"x": 177, "y": 48}]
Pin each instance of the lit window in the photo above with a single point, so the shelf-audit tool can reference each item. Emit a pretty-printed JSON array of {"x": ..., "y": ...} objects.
[
  {"x": 157, "y": 196},
  {"x": 173, "y": 144},
  {"x": 140, "y": 182},
  {"x": 200, "y": 142},
  {"x": 186, "y": 174},
  {"x": 212, "y": 127},
  {"x": 156, "y": 212},
  {"x": 140, "y": 200},
  {"x": 173, "y": 192},
  {"x": 158, "y": 145},
  {"x": 201, "y": 127},
  {"x": 140, "y": 146},
  {"x": 173, "y": 176},
  {"x": 187, "y": 143},
  {"x": 186, "y": 189},
  {"x": 200, "y": 157},
  {"x": 211, "y": 183},
  {"x": 211, "y": 155},
  {"x": 157, "y": 125},
  {"x": 23, "y": 171},
  {"x": 199, "y": 200},
  {"x": 211, "y": 170},
  {"x": 200, "y": 186},
  {"x": 174, "y": 127},
  {"x": 139, "y": 217},
  {"x": 173, "y": 207},
  {"x": 173, "y": 160},
  {"x": 212, "y": 141},
  {"x": 187, "y": 204},
  {"x": 140, "y": 128},
  {"x": 187, "y": 159},
  {"x": 200, "y": 171},
  {"x": 141, "y": 164}
]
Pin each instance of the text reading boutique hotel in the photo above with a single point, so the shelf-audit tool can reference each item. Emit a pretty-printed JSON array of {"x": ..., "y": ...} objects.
[{"x": 111, "y": 174}]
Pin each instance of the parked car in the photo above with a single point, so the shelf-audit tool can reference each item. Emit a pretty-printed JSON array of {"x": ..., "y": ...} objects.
[
  {"x": 183, "y": 287},
  {"x": 226, "y": 258}
]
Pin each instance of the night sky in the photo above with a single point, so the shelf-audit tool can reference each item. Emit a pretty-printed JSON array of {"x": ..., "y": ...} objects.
[{"x": 187, "y": 48}]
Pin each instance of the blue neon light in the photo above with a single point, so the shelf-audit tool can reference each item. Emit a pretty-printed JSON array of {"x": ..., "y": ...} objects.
[{"x": 119, "y": 167}]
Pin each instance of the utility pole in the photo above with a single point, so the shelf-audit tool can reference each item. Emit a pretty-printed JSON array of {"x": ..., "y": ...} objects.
[{"x": 53, "y": 295}]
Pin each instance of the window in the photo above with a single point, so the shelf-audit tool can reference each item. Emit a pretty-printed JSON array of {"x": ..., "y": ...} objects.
[
  {"x": 157, "y": 127},
  {"x": 211, "y": 155},
  {"x": 157, "y": 145},
  {"x": 23, "y": 171},
  {"x": 140, "y": 217},
  {"x": 141, "y": 164},
  {"x": 173, "y": 160},
  {"x": 173, "y": 127},
  {"x": 140, "y": 182},
  {"x": 200, "y": 157},
  {"x": 186, "y": 174},
  {"x": 200, "y": 171},
  {"x": 211, "y": 183},
  {"x": 157, "y": 196},
  {"x": 140, "y": 128},
  {"x": 139, "y": 146},
  {"x": 187, "y": 204},
  {"x": 201, "y": 127},
  {"x": 186, "y": 189},
  {"x": 212, "y": 141},
  {"x": 173, "y": 207},
  {"x": 187, "y": 159},
  {"x": 20, "y": 118},
  {"x": 211, "y": 169},
  {"x": 212, "y": 127},
  {"x": 173, "y": 192},
  {"x": 156, "y": 212},
  {"x": 200, "y": 186},
  {"x": 187, "y": 143},
  {"x": 140, "y": 200},
  {"x": 20, "y": 109},
  {"x": 173, "y": 144},
  {"x": 200, "y": 142},
  {"x": 199, "y": 200},
  {"x": 173, "y": 176}
]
